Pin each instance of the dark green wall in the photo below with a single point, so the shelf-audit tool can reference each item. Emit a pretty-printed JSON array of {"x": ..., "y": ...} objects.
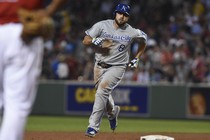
[
  {"x": 50, "y": 99},
  {"x": 168, "y": 101}
]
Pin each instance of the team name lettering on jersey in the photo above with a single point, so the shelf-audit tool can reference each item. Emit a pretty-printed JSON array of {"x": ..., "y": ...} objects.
[{"x": 124, "y": 38}]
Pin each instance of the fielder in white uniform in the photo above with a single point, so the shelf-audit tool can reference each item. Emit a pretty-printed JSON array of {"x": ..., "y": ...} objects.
[
  {"x": 111, "y": 63},
  {"x": 20, "y": 66}
]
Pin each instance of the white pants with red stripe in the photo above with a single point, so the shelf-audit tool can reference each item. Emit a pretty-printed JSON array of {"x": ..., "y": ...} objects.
[{"x": 20, "y": 66}]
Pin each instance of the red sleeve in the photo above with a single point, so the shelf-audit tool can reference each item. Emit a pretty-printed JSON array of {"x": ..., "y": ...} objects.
[
  {"x": 8, "y": 10},
  {"x": 31, "y": 4}
]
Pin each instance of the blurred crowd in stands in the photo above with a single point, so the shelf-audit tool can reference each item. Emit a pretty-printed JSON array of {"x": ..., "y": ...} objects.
[{"x": 178, "y": 46}]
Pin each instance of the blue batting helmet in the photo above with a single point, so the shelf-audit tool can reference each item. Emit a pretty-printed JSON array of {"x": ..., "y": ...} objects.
[{"x": 122, "y": 8}]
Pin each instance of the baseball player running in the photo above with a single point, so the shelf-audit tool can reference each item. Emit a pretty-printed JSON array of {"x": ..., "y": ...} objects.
[
  {"x": 20, "y": 65},
  {"x": 110, "y": 62}
]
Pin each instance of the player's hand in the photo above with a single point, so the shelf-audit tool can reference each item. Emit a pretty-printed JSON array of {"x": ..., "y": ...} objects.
[
  {"x": 134, "y": 63},
  {"x": 35, "y": 23},
  {"x": 98, "y": 41}
]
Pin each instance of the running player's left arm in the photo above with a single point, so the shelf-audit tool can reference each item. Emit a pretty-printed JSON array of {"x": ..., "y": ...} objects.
[
  {"x": 142, "y": 39},
  {"x": 141, "y": 48}
]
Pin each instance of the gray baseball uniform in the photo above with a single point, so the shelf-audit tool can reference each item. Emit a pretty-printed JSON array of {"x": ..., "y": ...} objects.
[{"x": 107, "y": 77}]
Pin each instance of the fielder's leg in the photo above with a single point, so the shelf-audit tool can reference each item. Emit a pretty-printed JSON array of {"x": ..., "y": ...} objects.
[{"x": 22, "y": 68}]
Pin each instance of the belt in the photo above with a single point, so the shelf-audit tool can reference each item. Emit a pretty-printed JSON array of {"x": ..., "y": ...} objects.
[{"x": 106, "y": 66}]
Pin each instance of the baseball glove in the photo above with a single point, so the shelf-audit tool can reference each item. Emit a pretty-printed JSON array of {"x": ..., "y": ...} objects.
[{"x": 35, "y": 24}]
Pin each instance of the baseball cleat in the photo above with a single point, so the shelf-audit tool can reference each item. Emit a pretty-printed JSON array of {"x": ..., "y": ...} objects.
[
  {"x": 90, "y": 132},
  {"x": 113, "y": 122}
]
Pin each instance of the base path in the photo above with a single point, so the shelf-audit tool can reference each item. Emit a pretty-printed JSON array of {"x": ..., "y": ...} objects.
[{"x": 34, "y": 135}]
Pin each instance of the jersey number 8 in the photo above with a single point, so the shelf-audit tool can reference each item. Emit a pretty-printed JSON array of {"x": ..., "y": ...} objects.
[{"x": 121, "y": 48}]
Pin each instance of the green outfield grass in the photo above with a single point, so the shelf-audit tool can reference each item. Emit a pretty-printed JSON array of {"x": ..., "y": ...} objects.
[{"x": 79, "y": 124}]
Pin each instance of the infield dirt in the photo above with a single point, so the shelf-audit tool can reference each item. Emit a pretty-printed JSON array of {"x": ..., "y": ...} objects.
[{"x": 108, "y": 136}]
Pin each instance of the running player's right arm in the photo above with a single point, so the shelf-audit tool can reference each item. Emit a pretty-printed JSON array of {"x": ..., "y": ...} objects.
[
  {"x": 92, "y": 34},
  {"x": 87, "y": 41},
  {"x": 98, "y": 41}
]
